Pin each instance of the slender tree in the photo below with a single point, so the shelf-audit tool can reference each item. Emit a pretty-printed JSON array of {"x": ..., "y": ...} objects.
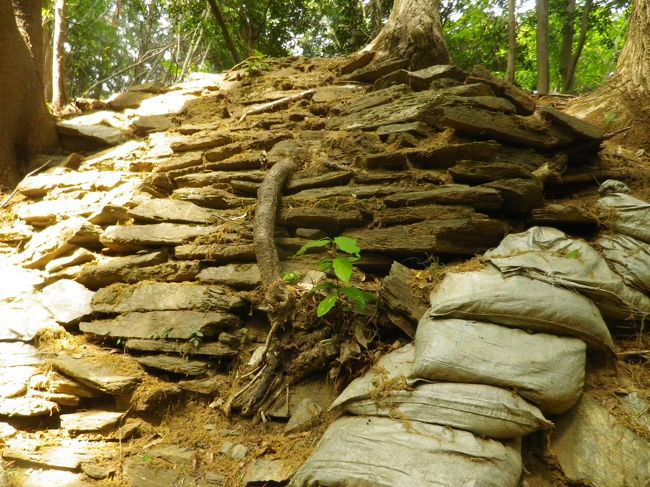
[
  {"x": 59, "y": 97},
  {"x": 512, "y": 42},
  {"x": 26, "y": 128},
  {"x": 218, "y": 16},
  {"x": 413, "y": 32},
  {"x": 543, "y": 69}
]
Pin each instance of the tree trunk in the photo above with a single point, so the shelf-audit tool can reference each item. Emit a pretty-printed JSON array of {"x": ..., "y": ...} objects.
[
  {"x": 566, "y": 48},
  {"x": 512, "y": 42},
  {"x": 216, "y": 11},
  {"x": 29, "y": 20},
  {"x": 624, "y": 100},
  {"x": 59, "y": 97},
  {"x": 543, "y": 70},
  {"x": 584, "y": 28},
  {"x": 413, "y": 32},
  {"x": 26, "y": 128},
  {"x": 47, "y": 61}
]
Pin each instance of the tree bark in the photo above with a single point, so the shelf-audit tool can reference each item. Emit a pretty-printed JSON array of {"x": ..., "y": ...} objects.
[
  {"x": 584, "y": 28},
  {"x": 512, "y": 42},
  {"x": 624, "y": 100},
  {"x": 216, "y": 11},
  {"x": 30, "y": 20},
  {"x": 543, "y": 70},
  {"x": 59, "y": 98},
  {"x": 413, "y": 32},
  {"x": 26, "y": 128},
  {"x": 566, "y": 48}
]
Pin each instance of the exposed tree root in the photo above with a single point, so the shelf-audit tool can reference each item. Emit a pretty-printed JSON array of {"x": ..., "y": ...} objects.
[
  {"x": 272, "y": 105},
  {"x": 278, "y": 301}
]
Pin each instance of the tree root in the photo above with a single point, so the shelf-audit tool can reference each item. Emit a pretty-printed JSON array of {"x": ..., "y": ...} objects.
[
  {"x": 278, "y": 301},
  {"x": 272, "y": 105}
]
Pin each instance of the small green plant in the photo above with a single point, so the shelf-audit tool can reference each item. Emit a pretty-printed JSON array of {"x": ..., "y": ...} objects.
[
  {"x": 196, "y": 338},
  {"x": 574, "y": 254},
  {"x": 256, "y": 63},
  {"x": 344, "y": 253},
  {"x": 610, "y": 118}
]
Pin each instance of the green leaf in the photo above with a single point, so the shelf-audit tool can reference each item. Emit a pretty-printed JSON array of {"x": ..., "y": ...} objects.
[
  {"x": 356, "y": 296},
  {"x": 314, "y": 244},
  {"x": 326, "y": 305},
  {"x": 347, "y": 245},
  {"x": 343, "y": 269},
  {"x": 325, "y": 265},
  {"x": 290, "y": 277}
]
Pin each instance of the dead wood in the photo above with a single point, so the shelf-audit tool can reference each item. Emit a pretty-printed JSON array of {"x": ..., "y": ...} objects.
[{"x": 267, "y": 107}]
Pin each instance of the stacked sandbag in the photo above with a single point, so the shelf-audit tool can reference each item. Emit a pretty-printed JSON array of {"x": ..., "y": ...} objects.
[
  {"x": 549, "y": 255},
  {"x": 388, "y": 391},
  {"x": 623, "y": 213},
  {"x": 366, "y": 451},
  {"x": 629, "y": 257}
]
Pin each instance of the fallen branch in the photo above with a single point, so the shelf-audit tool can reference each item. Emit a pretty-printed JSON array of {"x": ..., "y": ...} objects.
[
  {"x": 267, "y": 107},
  {"x": 633, "y": 352},
  {"x": 31, "y": 173},
  {"x": 609, "y": 135}
]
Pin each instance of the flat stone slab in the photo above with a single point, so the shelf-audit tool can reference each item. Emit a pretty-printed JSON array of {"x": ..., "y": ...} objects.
[
  {"x": 472, "y": 172},
  {"x": 67, "y": 301},
  {"x": 519, "y": 195},
  {"x": 26, "y": 407},
  {"x": 580, "y": 128},
  {"x": 326, "y": 219},
  {"x": 76, "y": 257},
  {"x": 160, "y": 296},
  {"x": 107, "y": 270},
  {"x": 67, "y": 456},
  {"x": 334, "y": 178},
  {"x": 174, "y": 365},
  {"x": 267, "y": 471},
  {"x": 238, "y": 276},
  {"x": 23, "y": 319},
  {"x": 14, "y": 380},
  {"x": 173, "y": 211},
  {"x": 209, "y": 197},
  {"x": 564, "y": 217},
  {"x": 138, "y": 471},
  {"x": 480, "y": 198},
  {"x": 18, "y": 354},
  {"x": 201, "y": 140},
  {"x": 171, "y": 271},
  {"x": 357, "y": 192},
  {"x": 86, "y": 421},
  {"x": 210, "y": 349},
  {"x": 209, "y": 386},
  {"x": 138, "y": 237},
  {"x": 179, "y": 325},
  {"x": 100, "y": 376},
  {"x": 216, "y": 178},
  {"x": 591, "y": 446},
  {"x": 421, "y": 79},
  {"x": 216, "y": 253},
  {"x": 462, "y": 236},
  {"x": 178, "y": 161},
  {"x": 39, "y": 185},
  {"x": 387, "y": 217}
]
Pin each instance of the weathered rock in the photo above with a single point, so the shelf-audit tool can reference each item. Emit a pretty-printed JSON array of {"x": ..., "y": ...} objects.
[
  {"x": 421, "y": 79},
  {"x": 65, "y": 457},
  {"x": 58, "y": 240},
  {"x": 97, "y": 472},
  {"x": 413, "y": 128},
  {"x": 581, "y": 129},
  {"x": 234, "y": 451},
  {"x": 520, "y": 196},
  {"x": 238, "y": 276},
  {"x": 172, "y": 211},
  {"x": 386, "y": 160},
  {"x": 18, "y": 232},
  {"x": 304, "y": 416},
  {"x": 472, "y": 172},
  {"x": 463, "y": 236},
  {"x": 357, "y": 192},
  {"x": 216, "y": 253},
  {"x": 565, "y": 217},
  {"x": 179, "y": 325},
  {"x": 328, "y": 179},
  {"x": 158, "y": 296},
  {"x": 591, "y": 446},
  {"x": 26, "y": 407},
  {"x": 517, "y": 130},
  {"x": 211, "y": 349},
  {"x": 6, "y": 431},
  {"x": 356, "y": 61},
  {"x": 523, "y": 101},
  {"x": 59, "y": 384},
  {"x": 156, "y": 398},
  {"x": 18, "y": 354},
  {"x": 15, "y": 378},
  {"x": 67, "y": 301},
  {"x": 400, "y": 216},
  {"x": 76, "y": 257},
  {"x": 397, "y": 77},
  {"x": 27, "y": 318},
  {"x": 102, "y": 273},
  {"x": 139, "y": 237},
  {"x": 139, "y": 471},
  {"x": 328, "y": 94},
  {"x": 127, "y": 99},
  {"x": 405, "y": 302},
  {"x": 178, "y": 162},
  {"x": 329, "y": 220},
  {"x": 92, "y": 420},
  {"x": 149, "y": 123},
  {"x": 372, "y": 99},
  {"x": 374, "y": 71},
  {"x": 201, "y": 140},
  {"x": 94, "y": 131},
  {"x": 67, "y": 400},
  {"x": 219, "y": 179},
  {"x": 262, "y": 472},
  {"x": 481, "y": 198},
  {"x": 102, "y": 377},
  {"x": 212, "y": 198},
  {"x": 445, "y": 156},
  {"x": 209, "y": 386},
  {"x": 175, "y": 365}
]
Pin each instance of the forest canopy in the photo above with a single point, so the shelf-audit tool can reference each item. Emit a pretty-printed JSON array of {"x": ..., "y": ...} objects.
[{"x": 113, "y": 44}]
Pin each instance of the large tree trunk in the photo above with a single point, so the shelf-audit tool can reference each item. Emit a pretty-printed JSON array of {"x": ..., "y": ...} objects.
[
  {"x": 413, "y": 32},
  {"x": 543, "y": 70},
  {"x": 59, "y": 97},
  {"x": 566, "y": 48},
  {"x": 624, "y": 100},
  {"x": 30, "y": 20},
  {"x": 26, "y": 128}
]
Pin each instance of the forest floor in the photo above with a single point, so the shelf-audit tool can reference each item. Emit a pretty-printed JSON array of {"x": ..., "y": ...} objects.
[{"x": 185, "y": 438}]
